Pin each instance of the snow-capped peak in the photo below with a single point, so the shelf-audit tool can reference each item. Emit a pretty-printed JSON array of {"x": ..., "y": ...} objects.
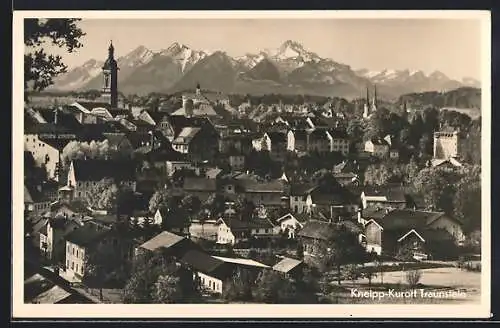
[
  {"x": 293, "y": 50},
  {"x": 139, "y": 56},
  {"x": 184, "y": 55}
]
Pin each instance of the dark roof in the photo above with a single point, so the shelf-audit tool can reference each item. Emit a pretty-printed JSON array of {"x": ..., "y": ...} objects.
[
  {"x": 47, "y": 128},
  {"x": 317, "y": 230},
  {"x": 301, "y": 189},
  {"x": 207, "y": 264},
  {"x": 64, "y": 118},
  {"x": 255, "y": 186},
  {"x": 76, "y": 206},
  {"x": 374, "y": 212},
  {"x": 276, "y": 136},
  {"x": 96, "y": 169},
  {"x": 318, "y": 135},
  {"x": 87, "y": 235},
  {"x": 338, "y": 134},
  {"x": 200, "y": 184},
  {"x": 178, "y": 122},
  {"x": 408, "y": 219},
  {"x": 174, "y": 218},
  {"x": 394, "y": 193}
]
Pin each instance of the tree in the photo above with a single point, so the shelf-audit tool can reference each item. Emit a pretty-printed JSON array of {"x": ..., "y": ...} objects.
[
  {"x": 377, "y": 175},
  {"x": 369, "y": 273},
  {"x": 271, "y": 287},
  {"x": 103, "y": 195},
  {"x": 167, "y": 289},
  {"x": 467, "y": 200},
  {"x": 157, "y": 279},
  {"x": 239, "y": 286},
  {"x": 159, "y": 199},
  {"x": 341, "y": 248},
  {"x": 39, "y": 67},
  {"x": 380, "y": 269},
  {"x": 413, "y": 277},
  {"x": 353, "y": 272},
  {"x": 97, "y": 266}
]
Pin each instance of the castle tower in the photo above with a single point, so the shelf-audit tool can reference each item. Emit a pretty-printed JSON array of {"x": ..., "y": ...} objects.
[{"x": 110, "y": 72}]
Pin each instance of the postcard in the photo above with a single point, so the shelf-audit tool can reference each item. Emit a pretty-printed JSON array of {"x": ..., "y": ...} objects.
[{"x": 251, "y": 164}]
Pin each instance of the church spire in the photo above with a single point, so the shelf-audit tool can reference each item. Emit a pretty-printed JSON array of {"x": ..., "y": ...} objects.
[
  {"x": 111, "y": 50},
  {"x": 374, "y": 100}
]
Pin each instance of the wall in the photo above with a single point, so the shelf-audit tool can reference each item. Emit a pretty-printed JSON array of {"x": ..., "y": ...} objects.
[
  {"x": 225, "y": 235},
  {"x": 449, "y": 225},
  {"x": 298, "y": 204},
  {"x": 210, "y": 283},
  {"x": 445, "y": 145},
  {"x": 75, "y": 259},
  {"x": 373, "y": 235},
  {"x": 43, "y": 153}
]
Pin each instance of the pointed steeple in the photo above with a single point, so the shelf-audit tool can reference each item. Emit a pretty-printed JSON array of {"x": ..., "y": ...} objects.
[
  {"x": 374, "y": 104},
  {"x": 111, "y": 50}
]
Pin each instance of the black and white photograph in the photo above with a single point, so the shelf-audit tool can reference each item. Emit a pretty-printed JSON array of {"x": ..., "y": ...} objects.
[{"x": 330, "y": 163}]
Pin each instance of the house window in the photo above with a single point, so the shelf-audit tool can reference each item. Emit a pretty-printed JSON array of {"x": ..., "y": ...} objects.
[
  {"x": 81, "y": 269},
  {"x": 77, "y": 267},
  {"x": 73, "y": 251},
  {"x": 72, "y": 265},
  {"x": 67, "y": 263},
  {"x": 76, "y": 253}
]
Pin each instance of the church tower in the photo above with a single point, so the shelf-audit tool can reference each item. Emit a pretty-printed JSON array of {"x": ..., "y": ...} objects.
[
  {"x": 110, "y": 73},
  {"x": 366, "y": 109},
  {"x": 374, "y": 100}
]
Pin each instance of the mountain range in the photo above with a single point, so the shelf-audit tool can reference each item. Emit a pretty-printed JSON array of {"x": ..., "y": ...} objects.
[{"x": 288, "y": 69}]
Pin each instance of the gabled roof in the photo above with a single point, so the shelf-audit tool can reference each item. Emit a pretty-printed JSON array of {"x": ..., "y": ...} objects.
[
  {"x": 338, "y": 134},
  {"x": 47, "y": 128},
  {"x": 174, "y": 218},
  {"x": 116, "y": 139},
  {"x": 97, "y": 169},
  {"x": 87, "y": 235},
  {"x": 286, "y": 265},
  {"x": 163, "y": 240},
  {"x": 317, "y": 230},
  {"x": 408, "y": 219},
  {"x": 301, "y": 189},
  {"x": 186, "y": 135},
  {"x": 207, "y": 264}
]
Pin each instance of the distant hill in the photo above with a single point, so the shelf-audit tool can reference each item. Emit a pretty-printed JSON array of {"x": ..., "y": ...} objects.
[{"x": 461, "y": 98}]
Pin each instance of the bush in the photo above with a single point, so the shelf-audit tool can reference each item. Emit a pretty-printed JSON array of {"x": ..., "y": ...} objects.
[{"x": 413, "y": 277}]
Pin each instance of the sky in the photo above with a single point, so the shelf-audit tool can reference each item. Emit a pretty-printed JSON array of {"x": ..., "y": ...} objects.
[{"x": 452, "y": 46}]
